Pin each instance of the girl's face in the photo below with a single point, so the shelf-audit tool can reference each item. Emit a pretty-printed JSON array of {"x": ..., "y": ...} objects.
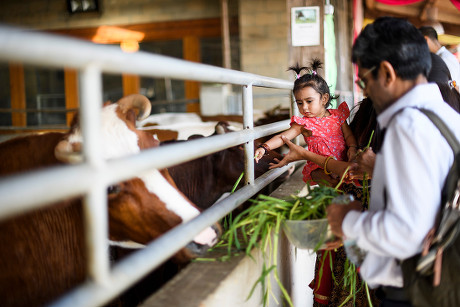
[{"x": 310, "y": 102}]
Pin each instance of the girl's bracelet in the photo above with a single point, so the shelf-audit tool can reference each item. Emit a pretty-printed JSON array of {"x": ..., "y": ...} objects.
[
  {"x": 265, "y": 147},
  {"x": 325, "y": 165}
]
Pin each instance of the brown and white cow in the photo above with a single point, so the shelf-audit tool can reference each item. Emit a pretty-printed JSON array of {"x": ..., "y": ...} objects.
[
  {"x": 43, "y": 253},
  {"x": 206, "y": 179}
]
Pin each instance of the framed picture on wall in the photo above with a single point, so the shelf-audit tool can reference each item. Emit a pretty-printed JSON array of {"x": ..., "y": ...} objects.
[{"x": 305, "y": 26}]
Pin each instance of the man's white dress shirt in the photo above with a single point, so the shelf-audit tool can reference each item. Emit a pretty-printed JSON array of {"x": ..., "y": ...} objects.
[{"x": 408, "y": 176}]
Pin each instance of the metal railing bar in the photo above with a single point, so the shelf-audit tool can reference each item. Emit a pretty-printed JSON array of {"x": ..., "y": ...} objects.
[
  {"x": 95, "y": 201},
  {"x": 21, "y": 193},
  {"x": 248, "y": 123},
  {"x": 73, "y": 180},
  {"x": 136, "y": 266},
  {"x": 111, "y": 59}
]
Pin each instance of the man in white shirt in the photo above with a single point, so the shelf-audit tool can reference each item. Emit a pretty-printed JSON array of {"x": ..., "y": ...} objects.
[
  {"x": 431, "y": 37},
  {"x": 393, "y": 61}
]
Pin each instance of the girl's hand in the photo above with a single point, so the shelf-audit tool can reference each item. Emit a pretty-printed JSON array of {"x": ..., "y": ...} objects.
[
  {"x": 259, "y": 153},
  {"x": 295, "y": 153}
]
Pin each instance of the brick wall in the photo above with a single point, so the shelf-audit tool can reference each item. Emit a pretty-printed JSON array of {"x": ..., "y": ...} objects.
[{"x": 264, "y": 46}]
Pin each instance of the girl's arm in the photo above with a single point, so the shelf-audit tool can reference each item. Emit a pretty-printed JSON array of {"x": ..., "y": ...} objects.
[
  {"x": 350, "y": 140},
  {"x": 276, "y": 141},
  {"x": 297, "y": 152}
]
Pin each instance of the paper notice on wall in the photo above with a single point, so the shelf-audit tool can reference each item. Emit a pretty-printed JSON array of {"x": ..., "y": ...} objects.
[{"x": 305, "y": 29}]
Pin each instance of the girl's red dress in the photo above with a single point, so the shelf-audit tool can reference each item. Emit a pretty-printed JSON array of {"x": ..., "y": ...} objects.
[{"x": 327, "y": 136}]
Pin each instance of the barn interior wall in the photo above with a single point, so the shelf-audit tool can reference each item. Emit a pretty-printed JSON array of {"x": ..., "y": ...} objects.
[
  {"x": 53, "y": 14},
  {"x": 263, "y": 30},
  {"x": 263, "y": 47}
]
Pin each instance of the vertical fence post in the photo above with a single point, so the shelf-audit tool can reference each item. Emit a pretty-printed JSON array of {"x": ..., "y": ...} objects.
[
  {"x": 248, "y": 123},
  {"x": 95, "y": 201}
]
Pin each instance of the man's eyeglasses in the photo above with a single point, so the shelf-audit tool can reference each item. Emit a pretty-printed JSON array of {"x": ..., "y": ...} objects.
[{"x": 360, "y": 82}]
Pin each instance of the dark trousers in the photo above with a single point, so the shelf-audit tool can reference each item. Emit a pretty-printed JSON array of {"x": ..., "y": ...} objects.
[{"x": 392, "y": 297}]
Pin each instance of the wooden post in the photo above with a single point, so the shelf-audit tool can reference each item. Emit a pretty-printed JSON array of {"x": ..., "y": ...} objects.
[
  {"x": 304, "y": 54},
  {"x": 131, "y": 84},
  {"x": 71, "y": 93},
  {"x": 18, "y": 95},
  {"x": 191, "y": 52},
  {"x": 227, "y": 63}
]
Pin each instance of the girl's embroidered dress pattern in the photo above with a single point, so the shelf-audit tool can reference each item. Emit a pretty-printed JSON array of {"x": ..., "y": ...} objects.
[{"x": 327, "y": 136}]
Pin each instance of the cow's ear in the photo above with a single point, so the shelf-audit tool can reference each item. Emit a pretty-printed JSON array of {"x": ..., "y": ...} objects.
[{"x": 131, "y": 116}]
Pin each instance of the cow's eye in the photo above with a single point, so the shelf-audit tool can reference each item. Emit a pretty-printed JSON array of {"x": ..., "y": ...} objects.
[{"x": 113, "y": 189}]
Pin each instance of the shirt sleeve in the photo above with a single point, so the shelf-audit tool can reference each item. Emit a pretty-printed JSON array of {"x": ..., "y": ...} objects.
[{"x": 405, "y": 194}]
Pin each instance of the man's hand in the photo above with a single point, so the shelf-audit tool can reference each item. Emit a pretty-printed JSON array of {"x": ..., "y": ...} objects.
[
  {"x": 366, "y": 161},
  {"x": 336, "y": 214},
  {"x": 295, "y": 153}
]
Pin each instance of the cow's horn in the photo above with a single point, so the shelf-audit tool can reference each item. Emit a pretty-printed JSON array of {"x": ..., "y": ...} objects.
[{"x": 138, "y": 102}]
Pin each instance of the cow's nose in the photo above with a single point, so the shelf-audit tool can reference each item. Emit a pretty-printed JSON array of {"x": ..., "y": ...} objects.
[
  {"x": 208, "y": 236},
  {"x": 197, "y": 249}
]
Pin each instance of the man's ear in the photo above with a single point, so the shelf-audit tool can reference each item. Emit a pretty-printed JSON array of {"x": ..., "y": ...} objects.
[{"x": 388, "y": 71}]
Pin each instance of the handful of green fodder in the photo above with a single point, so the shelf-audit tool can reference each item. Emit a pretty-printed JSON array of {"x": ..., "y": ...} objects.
[{"x": 259, "y": 226}]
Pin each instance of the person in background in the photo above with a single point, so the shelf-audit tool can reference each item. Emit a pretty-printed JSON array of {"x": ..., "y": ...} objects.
[
  {"x": 440, "y": 75},
  {"x": 410, "y": 169},
  {"x": 431, "y": 37},
  {"x": 325, "y": 130}
]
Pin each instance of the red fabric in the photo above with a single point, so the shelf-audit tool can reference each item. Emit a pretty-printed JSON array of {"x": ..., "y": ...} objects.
[
  {"x": 327, "y": 136},
  {"x": 456, "y": 3},
  {"x": 322, "y": 288},
  {"x": 398, "y": 2}
]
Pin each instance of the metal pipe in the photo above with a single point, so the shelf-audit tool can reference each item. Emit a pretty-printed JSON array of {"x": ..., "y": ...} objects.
[
  {"x": 248, "y": 123},
  {"x": 95, "y": 201},
  {"x": 136, "y": 266},
  {"x": 71, "y": 180},
  {"x": 91, "y": 178},
  {"x": 55, "y": 50}
]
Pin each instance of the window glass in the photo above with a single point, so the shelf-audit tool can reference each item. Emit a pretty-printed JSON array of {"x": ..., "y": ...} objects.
[
  {"x": 45, "y": 98},
  {"x": 167, "y": 95}
]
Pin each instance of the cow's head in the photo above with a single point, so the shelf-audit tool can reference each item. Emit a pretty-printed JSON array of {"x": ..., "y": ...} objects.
[
  {"x": 143, "y": 208},
  {"x": 236, "y": 154}
]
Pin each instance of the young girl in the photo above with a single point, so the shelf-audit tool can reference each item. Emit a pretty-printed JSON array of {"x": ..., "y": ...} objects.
[{"x": 325, "y": 130}]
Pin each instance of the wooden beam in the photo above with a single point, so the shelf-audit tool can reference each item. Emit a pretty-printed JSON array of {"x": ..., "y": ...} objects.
[
  {"x": 131, "y": 84},
  {"x": 18, "y": 95},
  {"x": 166, "y": 30},
  {"x": 71, "y": 93},
  {"x": 191, "y": 52}
]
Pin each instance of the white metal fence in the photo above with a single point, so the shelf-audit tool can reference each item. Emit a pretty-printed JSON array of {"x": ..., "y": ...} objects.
[{"x": 26, "y": 192}]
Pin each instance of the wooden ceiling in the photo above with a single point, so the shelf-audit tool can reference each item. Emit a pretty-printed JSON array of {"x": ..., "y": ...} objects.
[{"x": 447, "y": 14}]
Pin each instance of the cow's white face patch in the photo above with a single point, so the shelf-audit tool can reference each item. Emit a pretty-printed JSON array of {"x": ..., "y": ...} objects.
[
  {"x": 117, "y": 139},
  {"x": 175, "y": 202}
]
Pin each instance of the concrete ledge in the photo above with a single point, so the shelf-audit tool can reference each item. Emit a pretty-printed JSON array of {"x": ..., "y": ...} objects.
[{"x": 228, "y": 283}]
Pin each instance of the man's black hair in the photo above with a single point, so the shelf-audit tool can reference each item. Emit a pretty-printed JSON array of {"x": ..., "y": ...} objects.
[
  {"x": 394, "y": 40},
  {"x": 429, "y": 32}
]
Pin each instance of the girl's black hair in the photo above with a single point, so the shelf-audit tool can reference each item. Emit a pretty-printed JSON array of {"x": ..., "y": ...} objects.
[
  {"x": 311, "y": 79},
  {"x": 363, "y": 123}
]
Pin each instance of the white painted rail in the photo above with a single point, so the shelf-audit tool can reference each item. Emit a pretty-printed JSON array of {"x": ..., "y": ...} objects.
[{"x": 54, "y": 184}]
